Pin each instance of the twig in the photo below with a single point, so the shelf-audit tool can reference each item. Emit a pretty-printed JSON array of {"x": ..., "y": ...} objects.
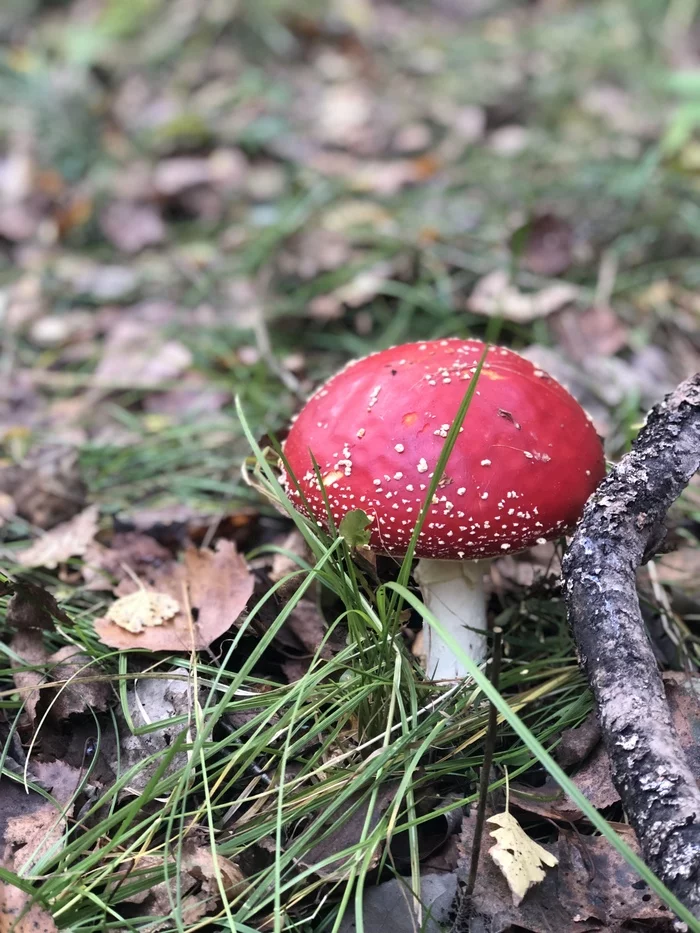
[
  {"x": 622, "y": 526},
  {"x": 461, "y": 921}
]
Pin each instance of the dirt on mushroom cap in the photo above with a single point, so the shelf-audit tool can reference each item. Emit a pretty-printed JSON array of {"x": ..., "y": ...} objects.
[{"x": 525, "y": 461}]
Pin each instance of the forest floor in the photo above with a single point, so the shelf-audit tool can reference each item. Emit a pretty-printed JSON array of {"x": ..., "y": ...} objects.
[{"x": 203, "y": 201}]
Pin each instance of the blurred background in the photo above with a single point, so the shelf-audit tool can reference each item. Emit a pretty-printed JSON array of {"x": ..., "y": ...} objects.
[{"x": 207, "y": 197}]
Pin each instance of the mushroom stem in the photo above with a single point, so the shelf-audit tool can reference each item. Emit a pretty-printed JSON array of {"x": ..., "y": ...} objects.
[{"x": 453, "y": 591}]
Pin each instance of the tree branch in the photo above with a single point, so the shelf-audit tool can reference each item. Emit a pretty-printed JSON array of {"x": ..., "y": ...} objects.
[{"x": 622, "y": 525}]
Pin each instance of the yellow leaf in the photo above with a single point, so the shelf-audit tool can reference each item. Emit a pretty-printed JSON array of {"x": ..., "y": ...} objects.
[
  {"x": 142, "y": 609},
  {"x": 519, "y": 857}
]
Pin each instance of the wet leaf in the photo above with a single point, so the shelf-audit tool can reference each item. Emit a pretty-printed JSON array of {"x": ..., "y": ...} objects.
[{"x": 520, "y": 858}]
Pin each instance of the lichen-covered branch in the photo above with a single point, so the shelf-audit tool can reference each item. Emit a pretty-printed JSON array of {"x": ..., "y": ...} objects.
[{"x": 622, "y": 524}]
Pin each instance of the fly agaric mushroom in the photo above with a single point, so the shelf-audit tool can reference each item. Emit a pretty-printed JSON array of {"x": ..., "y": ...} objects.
[{"x": 525, "y": 460}]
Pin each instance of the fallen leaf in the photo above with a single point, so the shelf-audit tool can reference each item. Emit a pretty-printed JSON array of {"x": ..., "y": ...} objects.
[
  {"x": 595, "y": 882},
  {"x": 135, "y": 354},
  {"x": 132, "y": 227},
  {"x": 130, "y": 554},
  {"x": 32, "y": 607},
  {"x": 200, "y": 862},
  {"x": 28, "y": 646},
  {"x": 17, "y": 916},
  {"x": 596, "y": 329},
  {"x": 216, "y": 585},
  {"x": 65, "y": 665},
  {"x": 46, "y": 486},
  {"x": 495, "y": 296},
  {"x": 519, "y": 857},
  {"x": 152, "y": 701},
  {"x": 141, "y": 610},
  {"x": 544, "y": 245},
  {"x": 69, "y": 539},
  {"x": 345, "y": 831}
]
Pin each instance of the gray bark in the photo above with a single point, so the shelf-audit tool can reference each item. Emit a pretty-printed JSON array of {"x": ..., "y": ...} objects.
[{"x": 622, "y": 525}]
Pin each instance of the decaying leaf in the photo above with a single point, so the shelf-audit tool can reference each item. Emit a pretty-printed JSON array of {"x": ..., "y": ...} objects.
[
  {"x": 17, "y": 916},
  {"x": 214, "y": 585},
  {"x": 142, "y": 609},
  {"x": 519, "y": 857},
  {"x": 130, "y": 554},
  {"x": 69, "y": 539},
  {"x": 495, "y": 296},
  {"x": 29, "y": 647},
  {"x": 73, "y": 698}
]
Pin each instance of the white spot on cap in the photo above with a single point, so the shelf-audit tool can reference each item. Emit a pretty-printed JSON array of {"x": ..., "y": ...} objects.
[
  {"x": 361, "y": 432},
  {"x": 399, "y": 448},
  {"x": 422, "y": 465},
  {"x": 486, "y": 463},
  {"x": 398, "y": 475},
  {"x": 484, "y": 495},
  {"x": 461, "y": 490},
  {"x": 505, "y": 547}
]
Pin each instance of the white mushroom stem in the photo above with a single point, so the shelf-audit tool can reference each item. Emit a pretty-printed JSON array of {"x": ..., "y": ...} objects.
[{"x": 453, "y": 591}]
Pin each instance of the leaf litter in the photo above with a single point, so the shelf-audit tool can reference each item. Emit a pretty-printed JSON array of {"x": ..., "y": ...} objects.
[{"x": 375, "y": 159}]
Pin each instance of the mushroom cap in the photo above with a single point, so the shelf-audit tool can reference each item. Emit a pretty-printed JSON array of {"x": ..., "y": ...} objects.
[{"x": 525, "y": 461}]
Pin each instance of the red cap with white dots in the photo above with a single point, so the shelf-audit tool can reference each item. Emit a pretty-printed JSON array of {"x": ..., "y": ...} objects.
[{"x": 525, "y": 460}]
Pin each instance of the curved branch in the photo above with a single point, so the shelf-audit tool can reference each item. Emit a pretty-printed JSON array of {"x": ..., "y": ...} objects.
[{"x": 622, "y": 524}]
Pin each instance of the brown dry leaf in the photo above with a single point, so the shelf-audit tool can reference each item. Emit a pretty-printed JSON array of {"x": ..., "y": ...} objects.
[
  {"x": 67, "y": 664},
  {"x": 132, "y": 227},
  {"x": 216, "y": 585},
  {"x": 29, "y": 646},
  {"x": 129, "y": 553},
  {"x": 14, "y": 905},
  {"x": 136, "y": 355},
  {"x": 69, "y": 539},
  {"x": 201, "y": 863},
  {"x": 495, "y": 296},
  {"x": 547, "y": 245},
  {"x": 342, "y": 833},
  {"x": 593, "y": 330},
  {"x": 32, "y": 607},
  {"x": 141, "y": 610},
  {"x": 595, "y": 882},
  {"x": 46, "y": 486}
]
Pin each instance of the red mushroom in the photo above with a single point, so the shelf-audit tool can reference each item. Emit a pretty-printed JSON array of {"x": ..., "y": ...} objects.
[{"x": 524, "y": 463}]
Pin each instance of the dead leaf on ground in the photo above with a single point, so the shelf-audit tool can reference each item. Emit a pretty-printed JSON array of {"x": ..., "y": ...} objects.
[
  {"x": 32, "y": 607},
  {"x": 46, "y": 486},
  {"x": 29, "y": 647},
  {"x": 142, "y": 609},
  {"x": 74, "y": 698},
  {"x": 16, "y": 916},
  {"x": 69, "y": 539},
  {"x": 544, "y": 245},
  {"x": 128, "y": 553},
  {"x": 540, "y": 912},
  {"x": 135, "y": 354},
  {"x": 595, "y": 882},
  {"x": 577, "y": 744},
  {"x": 216, "y": 585},
  {"x": 132, "y": 227},
  {"x": 519, "y": 857},
  {"x": 596, "y": 329},
  {"x": 31, "y": 826},
  {"x": 495, "y": 296},
  {"x": 341, "y": 834}
]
